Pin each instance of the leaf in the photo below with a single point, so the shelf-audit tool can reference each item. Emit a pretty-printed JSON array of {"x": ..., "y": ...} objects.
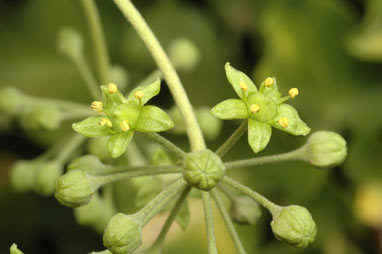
[
  {"x": 270, "y": 91},
  {"x": 153, "y": 119},
  {"x": 183, "y": 217},
  {"x": 148, "y": 91},
  {"x": 236, "y": 78},
  {"x": 295, "y": 125},
  {"x": 90, "y": 127},
  {"x": 230, "y": 109},
  {"x": 259, "y": 134},
  {"x": 118, "y": 143}
]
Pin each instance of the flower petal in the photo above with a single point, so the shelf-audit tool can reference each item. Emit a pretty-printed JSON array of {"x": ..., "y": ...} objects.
[
  {"x": 230, "y": 109},
  {"x": 147, "y": 92},
  {"x": 117, "y": 143},
  {"x": 259, "y": 134},
  {"x": 90, "y": 127},
  {"x": 153, "y": 119},
  {"x": 295, "y": 125},
  {"x": 271, "y": 91},
  {"x": 237, "y": 78}
]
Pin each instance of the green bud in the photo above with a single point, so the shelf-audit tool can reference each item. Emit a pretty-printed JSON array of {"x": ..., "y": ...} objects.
[
  {"x": 209, "y": 124},
  {"x": 123, "y": 234},
  {"x": 295, "y": 226},
  {"x": 325, "y": 149},
  {"x": 98, "y": 147},
  {"x": 74, "y": 188},
  {"x": 23, "y": 174},
  {"x": 120, "y": 76},
  {"x": 41, "y": 117},
  {"x": 203, "y": 169},
  {"x": 70, "y": 42},
  {"x": 88, "y": 163},
  {"x": 244, "y": 210},
  {"x": 46, "y": 177},
  {"x": 184, "y": 54},
  {"x": 11, "y": 100},
  {"x": 15, "y": 250}
]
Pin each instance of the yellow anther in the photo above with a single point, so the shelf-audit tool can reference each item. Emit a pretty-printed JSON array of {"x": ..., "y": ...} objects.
[
  {"x": 293, "y": 92},
  {"x": 283, "y": 122},
  {"x": 124, "y": 126},
  {"x": 243, "y": 86},
  {"x": 255, "y": 108},
  {"x": 268, "y": 82},
  {"x": 97, "y": 106},
  {"x": 112, "y": 88},
  {"x": 105, "y": 122},
  {"x": 138, "y": 95}
]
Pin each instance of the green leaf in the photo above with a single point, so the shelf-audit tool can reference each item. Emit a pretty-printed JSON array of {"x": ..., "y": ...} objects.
[
  {"x": 270, "y": 91},
  {"x": 153, "y": 119},
  {"x": 230, "y": 109},
  {"x": 236, "y": 78},
  {"x": 183, "y": 217},
  {"x": 118, "y": 143},
  {"x": 258, "y": 134},
  {"x": 90, "y": 127},
  {"x": 148, "y": 91},
  {"x": 295, "y": 125}
]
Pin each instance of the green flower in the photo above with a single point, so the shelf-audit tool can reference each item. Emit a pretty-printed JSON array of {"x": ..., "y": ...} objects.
[
  {"x": 263, "y": 108},
  {"x": 121, "y": 117}
]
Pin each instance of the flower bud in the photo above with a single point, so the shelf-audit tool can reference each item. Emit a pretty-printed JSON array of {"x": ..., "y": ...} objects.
[
  {"x": 295, "y": 226},
  {"x": 74, "y": 188},
  {"x": 325, "y": 149},
  {"x": 209, "y": 124},
  {"x": 122, "y": 235},
  {"x": 23, "y": 174},
  {"x": 184, "y": 54},
  {"x": 11, "y": 100},
  {"x": 46, "y": 176},
  {"x": 120, "y": 76},
  {"x": 41, "y": 117},
  {"x": 98, "y": 147},
  {"x": 70, "y": 42},
  {"x": 244, "y": 210},
  {"x": 203, "y": 169},
  {"x": 88, "y": 163}
]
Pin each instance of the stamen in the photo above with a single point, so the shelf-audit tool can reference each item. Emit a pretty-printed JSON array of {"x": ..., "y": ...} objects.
[
  {"x": 255, "y": 108},
  {"x": 97, "y": 106},
  {"x": 138, "y": 95},
  {"x": 112, "y": 88},
  {"x": 243, "y": 86},
  {"x": 268, "y": 82},
  {"x": 283, "y": 122},
  {"x": 105, "y": 121},
  {"x": 293, "y": 92},
  {"x": 124, "y": 126}
]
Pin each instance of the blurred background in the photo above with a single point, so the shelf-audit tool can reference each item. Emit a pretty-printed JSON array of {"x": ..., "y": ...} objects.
[{"x": 330, "y": 49}]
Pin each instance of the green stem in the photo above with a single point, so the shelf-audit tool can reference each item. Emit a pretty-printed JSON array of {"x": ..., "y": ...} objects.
[
  {"x": 131, "y": 172},
  {"x": 176, "y": 88},
  {"x": 231, "y": 141},
  {"x": 272, "y": 208},
  {"x": 165, "y": 143},
  {"x": 290, "y": 156},
  {"x": 228, "y": 222},
  {"x": 209, "y": 223},
  {"x": 88, "y": 77},
  {"x": 134, "y": 155},
  {"x": 63, "y": 104},
  {"x": 98, "y": 39},
  {"x": 226, "y": 192},
  {"x": 69, "y": 148},
  {"x": 157, "y": 204},
  {"x": 158, "y": 244}
]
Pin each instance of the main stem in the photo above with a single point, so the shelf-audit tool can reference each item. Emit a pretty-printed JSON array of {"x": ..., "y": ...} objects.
[
  {"x": 165, "y": 143},
  {"x": 231, "y": 141},
  {"x": 212, "y": 249},
  {"x": 98, "y": 39},
  {"x": 228, "y": 222},
  {"x": 290, "y": 156},
  {"x": 176, "y": 88}
]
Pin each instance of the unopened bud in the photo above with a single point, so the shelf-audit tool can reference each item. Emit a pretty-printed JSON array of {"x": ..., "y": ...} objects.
[
  {"x": 23, "y": 174},
  {"x": 46, "y": 177},
  {"x": 122, "y": 234},
  {"x": 203, "y": 169},
  {"x": 184, "y": 54},
  {"x": 245, "y": 210},
  {"x": 74, "y": 188},
  {"x": 295, "y": 226},
  {"x": 70, "y": 43},
  {"x": 325, "y": 149},
  {"x": 41, "y": 117},
  {"x": 11, "y": 100}
]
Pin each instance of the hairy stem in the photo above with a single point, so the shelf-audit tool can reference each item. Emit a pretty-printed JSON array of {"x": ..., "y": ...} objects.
[
  {"x": 231, "y": 141},
  {"x": 69, "y": 148},
  {"x": 212, "y": 249},
  {"x": 165, "y": 143},
  {"x": 160, "y": 201},
  {"x": 176, "y": 88},
  {"x": 272, "y": 208},
  {"x": 228, "y": 221},
  {"x": 158, "y": 244},
  {"x": 98, "y": 39},
  {"x": 290, "y": 156},
  {"x": 88, "y": 77}
]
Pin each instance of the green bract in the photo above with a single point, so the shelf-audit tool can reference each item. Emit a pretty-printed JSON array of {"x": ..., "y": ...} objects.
[
  {"x": 263, "y": 108},
  {"x": 121, "y": 117}
]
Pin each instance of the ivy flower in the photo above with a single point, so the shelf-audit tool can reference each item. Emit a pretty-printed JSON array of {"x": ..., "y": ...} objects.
[
  {"x": 120, "y": 117},
  {"x": 263, "y": 108}
]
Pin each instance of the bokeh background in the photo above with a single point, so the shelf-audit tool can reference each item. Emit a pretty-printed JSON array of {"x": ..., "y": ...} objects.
[{"x": 330, "y": 49}]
